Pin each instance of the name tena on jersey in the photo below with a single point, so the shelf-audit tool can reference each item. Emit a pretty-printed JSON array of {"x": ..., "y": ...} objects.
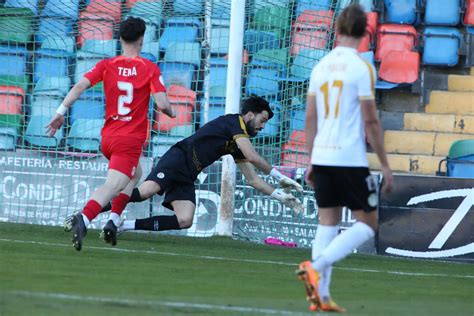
[{"x": 127, "y": 72}]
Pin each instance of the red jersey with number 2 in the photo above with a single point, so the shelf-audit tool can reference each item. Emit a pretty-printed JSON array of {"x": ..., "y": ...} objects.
[{"x": 128, "y": 83}]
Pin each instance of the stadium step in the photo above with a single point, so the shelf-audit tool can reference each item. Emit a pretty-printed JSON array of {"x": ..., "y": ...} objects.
[
  {"x": 451, "y": 102},
  {"x": 415, "y": 164},
  {"x": 424, "y": 143},
  {"x": 461, "y": 83},
  {"x": 446, "y": 123}
]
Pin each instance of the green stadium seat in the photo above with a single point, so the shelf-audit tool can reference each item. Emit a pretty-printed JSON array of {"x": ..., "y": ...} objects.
[
  {"x": 35, "y": 133},
  {"x": 85, "y": 135},
  {"x": 15, "y": 81},
  {"x": 272, "y": 59},
  {"x": 182, "y": 130},
  {"x": 16, "y": 25},
  {"x": 275, "y": 19}
]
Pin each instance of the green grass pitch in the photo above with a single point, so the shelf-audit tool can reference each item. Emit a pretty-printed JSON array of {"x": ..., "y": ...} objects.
[{"x": 152, "y": 274}]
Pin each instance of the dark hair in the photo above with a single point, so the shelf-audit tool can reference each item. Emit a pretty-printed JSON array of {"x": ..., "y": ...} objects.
[
  {"x": 352, "y": 21},
  {"x": 132, "y": 29},
  {"x": 256, "y": 105}
]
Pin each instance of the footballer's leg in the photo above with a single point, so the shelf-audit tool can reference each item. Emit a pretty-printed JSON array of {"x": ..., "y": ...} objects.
[{"x": 79, "y": 230}]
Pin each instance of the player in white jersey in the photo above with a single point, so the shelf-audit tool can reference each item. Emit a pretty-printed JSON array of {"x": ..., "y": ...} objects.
[{"x": 340, "y": 110}]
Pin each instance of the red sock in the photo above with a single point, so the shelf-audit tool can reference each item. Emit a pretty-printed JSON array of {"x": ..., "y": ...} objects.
[
  {"x": 92, "y": 209},
  {"x": 119, "y": 203}
]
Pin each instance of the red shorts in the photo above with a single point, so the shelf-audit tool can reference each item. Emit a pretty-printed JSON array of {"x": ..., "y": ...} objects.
[{"x": 123, "y": 153}]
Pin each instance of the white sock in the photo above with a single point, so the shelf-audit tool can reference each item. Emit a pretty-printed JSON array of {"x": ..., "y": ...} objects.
[
  {"x": 115, "y": 218},
  {"x": 129, "y": 224},
  {"x": 86, "y": 220},
  {"x": 324, "y": 236},
  {"x": 343, "y": 245}
]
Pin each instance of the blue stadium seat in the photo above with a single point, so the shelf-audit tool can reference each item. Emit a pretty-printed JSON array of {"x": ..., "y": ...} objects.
[
  {"x": 184, "y": 7},
  {"x": 173, "y": 34},
  {"x": 85, "y": 135},
  {"x": 90, "y": 105},
  {"x": 151, "y": 51},
  {"x": 217, "y": 78},
  {"x": 151, "y": 11},
  {"x": 297, "y": 114},
  {"x": 35, "y": 133},
  {"x": 272, "y": 127},
  {"x": 178, "y": 73},
  {"x": 221, "y": 9},
  {"x": 60, "y": 8},
  {"x": 44, "y": 106},
  {"x": 52, "y": 86},
  {"x": 320, "y": 5},
  {"x": 8, "y": 138},
  {"x": 266, "y": 3},
  {"x": 54, "y": 58},
  {"x": 262, "y": 82},
  {"x": 368, "y": 5},
  {"x": 161, "y": 143},
  {"x": 216, "y": 109},
  {"x": 13, "y": 60},
  {"x": 54, "y": 27},
  {"x": 219, "y": 40},
  {"x": 183, "y": 52},
  {"x": 304, "y": 62},
  {"x": 29, "y": 4},
  {"x": 255, "y": 40},
  {"x": 272, "y": 59},
  {"x": 442, "y": 12},
  {"x": 98, "y": 48},
  {"x": 460, "y": 160},
  {"x": 446, "y": 37},
  {"x": 401, "y": 11}
]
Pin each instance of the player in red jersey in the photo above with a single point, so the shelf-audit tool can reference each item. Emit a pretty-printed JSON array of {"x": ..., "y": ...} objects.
[{"x": 128, "y": 81}]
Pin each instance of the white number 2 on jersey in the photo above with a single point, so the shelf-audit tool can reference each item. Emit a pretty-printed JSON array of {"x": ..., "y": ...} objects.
[{"x": 124, "y": 99}]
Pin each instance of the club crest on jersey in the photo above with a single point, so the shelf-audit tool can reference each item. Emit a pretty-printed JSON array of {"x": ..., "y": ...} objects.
[{"x": 127, "y": 72}]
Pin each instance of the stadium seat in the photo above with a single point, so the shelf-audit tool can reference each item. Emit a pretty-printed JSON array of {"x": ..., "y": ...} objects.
[
  {"x": 302, "y": 5},
  {"x": 401, "y": 11},
  {"x": 395, "y": 37},
  {"x": 275, "y": 19},
  {"x": 44, "y": 106},
  {"x": 174, "y": 34},
  {"x": 217, "y": 78},
  {"x": 54, "y": 27},
  {"x": 221, "y": 10},
  {"x": 149, "y": 10},
  {"x": 13, "y": 60},
  {"x": 460, "y": 160},
  {"x": 446, "y": 37},
  {"x": 368, "y": 5},
  {"x": 28, "y": 4},
  {"x": 11, "y": 120},
  {"x": 98, "y": 48},
  {"x": 35, "y": 133},
  {"x": 304, "y": 63},
  {"x": 16, "y": 25},
  {"x": 52, "y": 86},
  {"x": 297, "y": 118},
  {"x": 183, "y": 100},
  {"x": 183, "y": 7},
  {"x": 216, "y": 109},
  {"x": 85, "y": 135},
  {"x": 89, "y": 106},
  {"x": 312, "y": 19},
  {"x": 262, "y": 82},
  {"x": 15, "y": 81},
  {"x": 442, "y": 12},
  {"x": 11, "y": 100},
  {"x": 161, "y": 143},
  {"x": 54, "y": 57},
  {"x": 469, "y": 13},
  {"x": 309, "y": 39},
  {"x": 400, "y": 67},
  {"x": 219, "y": 40},
  {"x": 151, "y": 51},
  {"x": 182, "y": 52},
  {"x": 98, "y": 26},
  {"x": 112, "y": 8},
  {"x": 276, "y": 59},
  {"x": 182, "y": 130},
  {"x": 255, "y": 40},
  {"x": 272, "y": 127},
  {"x": 180, "y": 74},
  {"x": 60, "y": 8},
  {"x": 295, "y": 159},
  {"x": 8, "y": 138},
  {"x": 294, "y": 151}
]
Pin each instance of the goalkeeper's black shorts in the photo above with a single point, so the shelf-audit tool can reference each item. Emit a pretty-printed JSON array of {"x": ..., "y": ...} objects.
[{"x": 353, "y": 187}]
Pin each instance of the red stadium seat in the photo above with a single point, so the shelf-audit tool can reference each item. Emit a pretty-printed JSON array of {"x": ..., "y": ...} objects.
[
  {"x": 400, "y": 67},
  {"x": 98, "y": 26},
  {"x": 111, "y": 8},
  {"x": 183, "y": 102},
  {"x": 296, "y": 142},
  {"x": 395, "y": 37},
  {"x": 11, "y": 99},
  {"x": 294, "y": 160},
  {"x": 312, "y": 19},
  {"x": 469, "y": 15},
  {"x": 309, "y": 39},
  {"x": 368, "y": 39},
  {"x": 372, "y": 22}
]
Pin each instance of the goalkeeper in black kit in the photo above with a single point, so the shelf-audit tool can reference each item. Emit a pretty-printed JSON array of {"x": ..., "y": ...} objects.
[{"x": 175, "y": 174}]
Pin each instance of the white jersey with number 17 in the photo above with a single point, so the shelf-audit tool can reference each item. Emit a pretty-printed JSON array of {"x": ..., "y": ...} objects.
[{"x": 338, "y": 82}]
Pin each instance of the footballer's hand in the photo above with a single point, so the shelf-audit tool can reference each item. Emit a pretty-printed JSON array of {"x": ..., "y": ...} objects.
[
  {"x": 56, "y": 122},
  {"x": 289, "y": 184},
  {"x": 288, "y": 199}
]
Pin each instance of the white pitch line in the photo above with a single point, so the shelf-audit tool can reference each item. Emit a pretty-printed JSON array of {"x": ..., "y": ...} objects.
[
  {"x": 163, "y": 253},
  {"x": 138, "y": 303}
]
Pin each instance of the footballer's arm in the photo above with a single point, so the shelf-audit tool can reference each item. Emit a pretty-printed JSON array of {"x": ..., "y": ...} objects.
[
  {"x": 253, "y": 179},
  {"x": 163, "y": 104},
  {"x": 252, "y": 156}
]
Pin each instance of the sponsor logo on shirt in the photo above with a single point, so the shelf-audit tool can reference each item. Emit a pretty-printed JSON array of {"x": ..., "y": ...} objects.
[{"x": 121, "y": 118}]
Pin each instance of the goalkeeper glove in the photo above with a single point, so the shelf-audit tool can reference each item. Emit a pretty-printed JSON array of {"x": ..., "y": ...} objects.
[
  {"x": 286, "y": 183},
  {"x": 288, "y": 199}
]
